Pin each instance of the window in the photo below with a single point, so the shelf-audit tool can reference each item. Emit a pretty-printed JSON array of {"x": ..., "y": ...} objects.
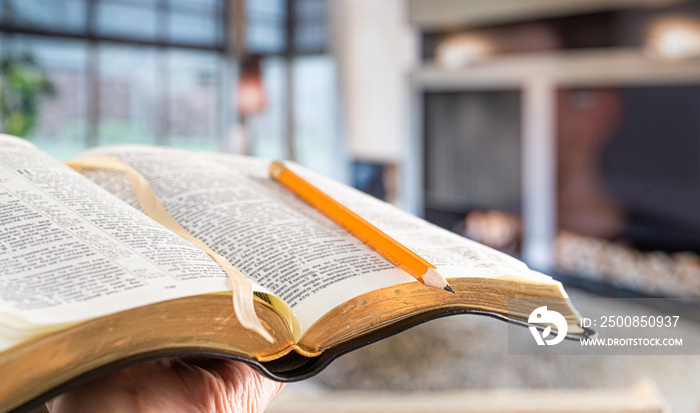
[
  {"x": 316, "y": 135},
  {"x": 311, "y": 32},
  {"x": 196, "y": 21},
  {"x": 57, "y": 15},
  {"x": 124, "y": 71},
  {"x": 192, "y": 99},
  {"x": 267, "y": 129},
  {"x": 300, "y": 84},
  {"x": 130, "y": 104},
  {"x": 266, "y": 22},
  {"x": 129, "y": 19},
  {"x": 155, "y": 72},
  {"x": 62, "y": 126}
]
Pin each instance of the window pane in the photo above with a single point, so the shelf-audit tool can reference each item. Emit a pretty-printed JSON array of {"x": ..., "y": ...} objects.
[
  {"x": 311, "y": 34},
  {"x": 129, "y": 94},
  {"x": 214, "y": 6},
  {"x": 128, "y": 19},
  {"x": 61, "y": 126},
  {"x": 266, "y": 130},
  {"x": 193, "y": 99},
  {"x": 195, "y": 27},
  {"x": 265, "y": 37},
  {"x": 47, "y": 14},
  {"x": 317, "y": 141},
  {"x": 265, "y": 26}
]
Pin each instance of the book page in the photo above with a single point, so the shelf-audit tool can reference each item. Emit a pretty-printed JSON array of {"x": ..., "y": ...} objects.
[
  {"x": 70, "y": 250},
  {"x": 275, "y": 238},
  {"x": 453, "y": 254}
]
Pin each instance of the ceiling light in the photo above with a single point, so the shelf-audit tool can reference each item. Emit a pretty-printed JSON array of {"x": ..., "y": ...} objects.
[
  {"x": 674, "y": 38},
  {"x": 462, "y": 50}
]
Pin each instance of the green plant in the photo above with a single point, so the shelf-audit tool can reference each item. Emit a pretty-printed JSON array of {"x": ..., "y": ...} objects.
[{"x": 23, "y": 85}]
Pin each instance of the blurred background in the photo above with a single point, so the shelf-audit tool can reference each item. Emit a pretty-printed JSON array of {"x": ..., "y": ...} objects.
[{"x": 566, "y": 133}]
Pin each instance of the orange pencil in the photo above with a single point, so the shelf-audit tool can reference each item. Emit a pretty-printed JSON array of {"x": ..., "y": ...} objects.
[{"x": 388, "y": 247}]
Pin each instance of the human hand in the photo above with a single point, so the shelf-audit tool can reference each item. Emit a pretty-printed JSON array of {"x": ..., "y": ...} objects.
[{"x": 173, "y": 385}]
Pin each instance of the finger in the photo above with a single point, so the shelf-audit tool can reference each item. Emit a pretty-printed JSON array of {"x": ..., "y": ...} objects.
[{"x": 243, "y": 388}]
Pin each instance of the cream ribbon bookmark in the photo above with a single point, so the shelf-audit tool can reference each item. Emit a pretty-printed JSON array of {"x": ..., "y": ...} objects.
[{"x": 242, "y": 286}]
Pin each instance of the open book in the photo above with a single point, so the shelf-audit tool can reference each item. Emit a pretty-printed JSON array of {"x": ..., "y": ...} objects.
[{"x": 90, "y": 283}]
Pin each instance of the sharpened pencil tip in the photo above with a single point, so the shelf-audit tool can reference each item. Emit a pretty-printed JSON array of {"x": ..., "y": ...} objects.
[{"x": 448, "y": 288}]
